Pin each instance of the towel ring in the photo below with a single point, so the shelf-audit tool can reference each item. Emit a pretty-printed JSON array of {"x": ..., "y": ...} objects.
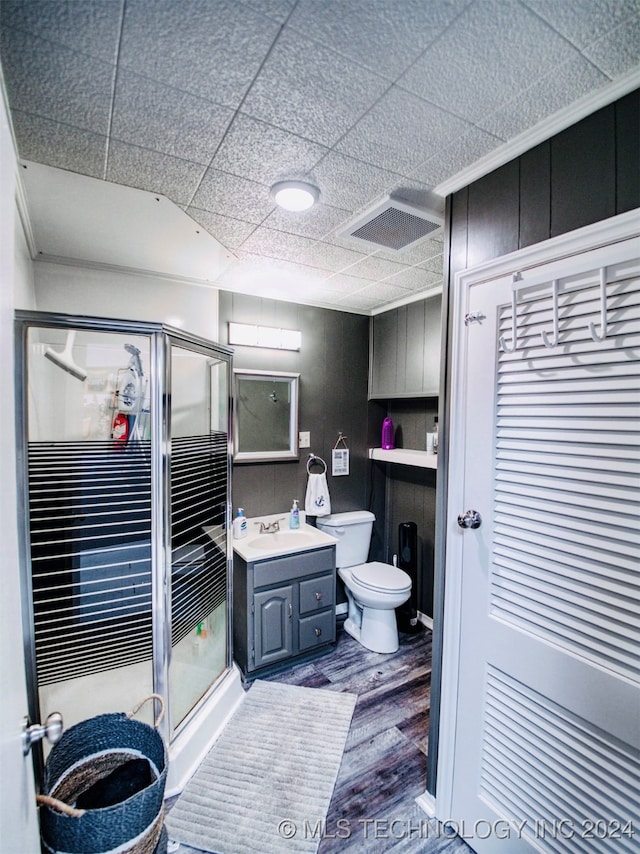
[{"x": 318, "y": 460}]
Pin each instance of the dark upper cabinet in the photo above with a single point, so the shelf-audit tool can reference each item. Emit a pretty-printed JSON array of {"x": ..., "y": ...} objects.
[{"x": 405, "y": 351}]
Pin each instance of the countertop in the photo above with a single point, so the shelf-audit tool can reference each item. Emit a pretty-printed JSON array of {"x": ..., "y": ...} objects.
[{"x": 257, "y": 546}]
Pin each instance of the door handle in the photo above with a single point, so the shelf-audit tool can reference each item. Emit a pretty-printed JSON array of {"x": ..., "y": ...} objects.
[
  {"x": 51, "y": 730},
  {"x": 470, "y": 519}
]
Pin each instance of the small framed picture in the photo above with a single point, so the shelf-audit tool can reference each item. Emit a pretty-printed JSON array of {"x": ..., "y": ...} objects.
[{"x": 339, "y": 461}]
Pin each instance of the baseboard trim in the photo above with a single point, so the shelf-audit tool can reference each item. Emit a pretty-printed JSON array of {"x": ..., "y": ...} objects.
[{"x": 427, "y": 804}]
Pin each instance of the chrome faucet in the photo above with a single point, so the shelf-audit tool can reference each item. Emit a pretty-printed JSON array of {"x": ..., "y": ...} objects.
[{"x": 270, "y": 527}]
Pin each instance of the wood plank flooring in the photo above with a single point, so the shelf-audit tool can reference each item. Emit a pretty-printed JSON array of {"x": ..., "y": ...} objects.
[{"x": 383, "y": 768}]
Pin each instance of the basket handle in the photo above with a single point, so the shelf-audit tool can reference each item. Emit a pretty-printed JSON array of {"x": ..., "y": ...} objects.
[
  {"x": 60, "y": 806},
  {"x": 137, "y": 708}
]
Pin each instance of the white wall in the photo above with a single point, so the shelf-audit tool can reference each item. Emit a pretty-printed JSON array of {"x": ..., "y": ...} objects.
[
  {"x": 18, "y": 825},
  {"x": 128, "y": 296}
]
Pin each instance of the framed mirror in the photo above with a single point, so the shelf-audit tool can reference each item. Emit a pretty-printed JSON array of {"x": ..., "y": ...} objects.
[{"x": 266, "y": 416}]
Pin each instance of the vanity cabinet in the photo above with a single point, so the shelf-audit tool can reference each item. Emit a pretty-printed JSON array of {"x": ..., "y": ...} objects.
[
  {"x": 404, "y": 359},
  {"x": 283, "y": 607}
]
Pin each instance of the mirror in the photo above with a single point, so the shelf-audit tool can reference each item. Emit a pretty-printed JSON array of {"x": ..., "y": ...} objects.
[{"x": 266, "y": 416}]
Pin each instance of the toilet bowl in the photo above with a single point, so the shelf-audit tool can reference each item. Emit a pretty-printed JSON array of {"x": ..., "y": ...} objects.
[{"x": 374, "y": 590}]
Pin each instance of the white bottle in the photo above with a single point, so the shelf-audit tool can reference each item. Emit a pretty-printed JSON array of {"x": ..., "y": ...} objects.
[
  {"x": 294, "y": 515},
  {"x": 240, "y": 525}
]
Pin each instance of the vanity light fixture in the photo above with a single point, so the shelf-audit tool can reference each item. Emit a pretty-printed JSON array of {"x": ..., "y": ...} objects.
[
  {"x": 264, "y": 336},
  {"x": 295, "y": 195}
]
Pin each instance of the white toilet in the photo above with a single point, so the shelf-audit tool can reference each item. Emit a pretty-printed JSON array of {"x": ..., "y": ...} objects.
[{"x": 374, "y": 590}]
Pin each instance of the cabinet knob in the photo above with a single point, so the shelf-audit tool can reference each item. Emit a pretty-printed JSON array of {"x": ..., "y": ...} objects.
[
  {"x": 318, "y": 632},
  {"x": 318, "y": 597}
]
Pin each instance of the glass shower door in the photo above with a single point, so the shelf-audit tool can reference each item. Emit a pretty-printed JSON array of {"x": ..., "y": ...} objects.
[
  {"x": 88, "y": 491},
  {"x": 199, "y": 560}
]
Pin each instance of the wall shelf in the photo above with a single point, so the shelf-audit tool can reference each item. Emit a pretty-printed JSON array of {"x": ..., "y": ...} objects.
[{"x": 405, "y": 457}]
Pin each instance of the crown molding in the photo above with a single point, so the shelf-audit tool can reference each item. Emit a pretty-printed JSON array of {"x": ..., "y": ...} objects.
[{"x": 542, "y": 131}]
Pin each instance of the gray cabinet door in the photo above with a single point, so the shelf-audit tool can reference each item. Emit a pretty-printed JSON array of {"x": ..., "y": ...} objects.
[
  {"x": 273, "y": 625},
  {"x": 405, "y": 351}
]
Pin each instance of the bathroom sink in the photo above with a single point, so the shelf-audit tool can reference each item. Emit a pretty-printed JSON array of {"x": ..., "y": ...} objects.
[
  {"x": 256, "y": 546},
  {"x": 280, "y": 540}
]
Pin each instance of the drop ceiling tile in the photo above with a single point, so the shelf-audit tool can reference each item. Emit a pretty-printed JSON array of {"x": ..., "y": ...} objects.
[
  {"x": 168, "y": 120},
  {"x": 401, "y": 131},
  {"x": 360, "y": 302},
  {"x": 556, "y": 90},
  {"x": 415, "y": 278},
  {"x": 343, "y": 284},
  {"x": 310, "y": 90},
  {"x": 149, "y": 170},
  {"x": 584, "y": 21},
  {"x": 96, "y": 26},
  {"x": 490, "y": 53},
  {"x": 268, "y": 276},
  {"x": 220, "y": 192},
  {"x": 44, "y": 78},
  {"x": 383, "y": 292},
  {"x": 375, "y": 267},
  {"x": 326, "y": 256},
  {"x": 63, "y": 146},
  {"x": 318, "y": 222},
  {"x": 276, "y": 244},
  {"x": 351, "y": 184},
  {"x": 460, "y": 151},
  {"x": 214, "y": 51},
  {"x": 618, "y": 51},
  {"x": 434, "y": 264},
  {"x": 230, "y": 232},
  {"x": 264, "y": 153},
  {"x": 379, "y": 35}
]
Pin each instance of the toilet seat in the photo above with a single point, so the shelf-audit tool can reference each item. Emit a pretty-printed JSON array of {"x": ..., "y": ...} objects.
[{"x": 381, "y": 577}]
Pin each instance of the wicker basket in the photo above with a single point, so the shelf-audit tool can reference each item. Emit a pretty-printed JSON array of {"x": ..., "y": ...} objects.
[{"x": 87, "y": 753}]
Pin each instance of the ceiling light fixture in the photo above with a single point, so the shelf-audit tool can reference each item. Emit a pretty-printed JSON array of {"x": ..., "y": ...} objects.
[{"x": 295, "y": 195}]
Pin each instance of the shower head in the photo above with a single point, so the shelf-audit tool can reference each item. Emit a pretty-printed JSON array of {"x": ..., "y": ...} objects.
[{"x": 64, "y": 359}]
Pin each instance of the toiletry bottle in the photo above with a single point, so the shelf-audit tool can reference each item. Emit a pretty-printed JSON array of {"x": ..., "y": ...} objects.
[
  {"x": 435, "y": 435},
  {"x": 294, "y": 515},
  {"x": 240, "y": 525},
  {"x": 387, "y": 442}
]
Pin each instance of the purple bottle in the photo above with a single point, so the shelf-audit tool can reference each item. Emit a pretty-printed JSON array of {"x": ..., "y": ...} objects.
[{"x": 387, "y": 435}]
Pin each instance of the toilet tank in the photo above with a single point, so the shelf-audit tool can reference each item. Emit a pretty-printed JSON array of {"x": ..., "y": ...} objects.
[{"x": 353, "y": 533}]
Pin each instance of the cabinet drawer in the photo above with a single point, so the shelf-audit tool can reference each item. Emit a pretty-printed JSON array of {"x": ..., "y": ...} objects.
[
  {"x": 317, "y": 629},
  {"x": 291, "y": 567},
  {"x": 316, "y": 593}
]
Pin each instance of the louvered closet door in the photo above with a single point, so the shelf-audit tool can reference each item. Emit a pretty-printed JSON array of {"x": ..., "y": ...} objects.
[{"x": 548, "y": 735}]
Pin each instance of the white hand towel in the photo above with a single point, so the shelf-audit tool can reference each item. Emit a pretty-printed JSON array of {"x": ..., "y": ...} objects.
[{"x": 317, "y": 501}]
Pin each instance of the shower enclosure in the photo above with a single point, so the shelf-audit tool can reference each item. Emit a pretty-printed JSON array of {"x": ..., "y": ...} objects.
[{"x": 124, "y": 475}]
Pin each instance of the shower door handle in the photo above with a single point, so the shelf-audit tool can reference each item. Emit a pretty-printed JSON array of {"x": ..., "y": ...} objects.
[{"x": 470, "y": 519}]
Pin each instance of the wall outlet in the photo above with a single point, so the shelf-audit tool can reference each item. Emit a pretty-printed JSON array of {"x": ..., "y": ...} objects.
[{"x": 304, "y": 440}]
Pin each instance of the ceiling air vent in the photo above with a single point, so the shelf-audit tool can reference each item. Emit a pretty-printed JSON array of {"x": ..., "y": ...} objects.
[{"x": 393, "y": 224}]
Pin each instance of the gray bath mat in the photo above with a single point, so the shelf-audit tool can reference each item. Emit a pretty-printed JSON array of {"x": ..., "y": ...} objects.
[{"x": 267, "y": 782}]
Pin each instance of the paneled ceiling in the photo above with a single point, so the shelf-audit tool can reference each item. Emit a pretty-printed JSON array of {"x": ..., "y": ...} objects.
[{"x": 210, "y": 102}]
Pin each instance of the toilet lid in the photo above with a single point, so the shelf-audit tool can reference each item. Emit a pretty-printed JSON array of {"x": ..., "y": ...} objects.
[{"x": 381, "y": 577}]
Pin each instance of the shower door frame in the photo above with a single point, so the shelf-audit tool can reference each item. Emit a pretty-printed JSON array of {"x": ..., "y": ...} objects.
[{"x": 161, "y": 338}]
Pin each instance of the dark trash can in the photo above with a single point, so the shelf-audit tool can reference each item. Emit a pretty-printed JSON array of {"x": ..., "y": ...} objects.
[{"x": 407, "y": 614}]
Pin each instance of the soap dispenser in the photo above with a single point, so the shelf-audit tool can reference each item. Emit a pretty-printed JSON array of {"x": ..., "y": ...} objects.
[
  {"x": 294, "y": 515},
  {"x": 240, "y": 525}
]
